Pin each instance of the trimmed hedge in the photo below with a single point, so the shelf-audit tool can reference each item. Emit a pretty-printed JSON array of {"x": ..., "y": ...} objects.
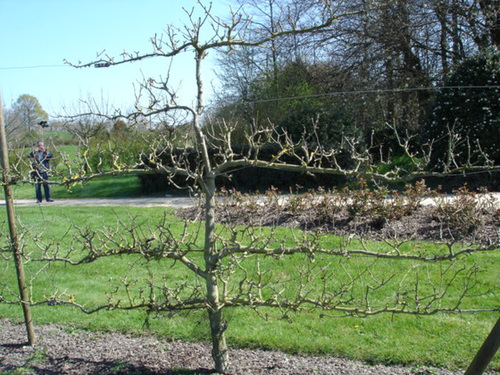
[
  {"x": 257, "y": 179},
  {"x": 247, "y": 179}
]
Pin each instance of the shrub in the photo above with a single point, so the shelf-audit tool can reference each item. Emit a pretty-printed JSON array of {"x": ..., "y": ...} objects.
[
  {"x": 465, "y": 212},
  {"x": 116, "y": 150},
  {"x": 248, "y": 179},
  {"x": 466, "y": 112}
]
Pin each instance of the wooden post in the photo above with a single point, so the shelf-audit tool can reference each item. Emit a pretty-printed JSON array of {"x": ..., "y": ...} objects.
[
  {"x": 486, "y": 352},
  {"x": 11, "y": 216}
]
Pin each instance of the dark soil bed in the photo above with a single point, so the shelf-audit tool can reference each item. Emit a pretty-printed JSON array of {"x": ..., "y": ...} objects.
[
  {"x": 64, "y": 351},
  {"x": 458, "y": 223}
]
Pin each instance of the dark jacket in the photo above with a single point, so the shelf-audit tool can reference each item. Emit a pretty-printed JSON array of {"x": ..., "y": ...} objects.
[{"x": 40, "y": 162}]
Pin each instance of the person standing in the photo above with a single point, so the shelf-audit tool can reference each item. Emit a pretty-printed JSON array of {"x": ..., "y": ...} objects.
[{"x": 40, "y": 158}]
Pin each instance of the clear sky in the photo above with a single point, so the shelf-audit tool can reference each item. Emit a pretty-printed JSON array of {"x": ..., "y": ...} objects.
[{"x": 38, "y": 35}]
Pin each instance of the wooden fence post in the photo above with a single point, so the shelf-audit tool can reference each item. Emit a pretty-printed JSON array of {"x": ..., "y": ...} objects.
[
  {"x": 11, "y": 216},
  {"x": 486, "y": 352}
]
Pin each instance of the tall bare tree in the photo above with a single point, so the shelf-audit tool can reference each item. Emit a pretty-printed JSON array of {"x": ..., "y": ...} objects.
[{"x": 226, "y": 36}]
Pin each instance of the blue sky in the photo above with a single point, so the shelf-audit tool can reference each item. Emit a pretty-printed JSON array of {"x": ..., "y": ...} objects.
[{"x": 38, "y": 35}]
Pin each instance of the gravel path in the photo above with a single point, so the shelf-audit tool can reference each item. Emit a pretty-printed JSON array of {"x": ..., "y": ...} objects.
[
  {"x": 66, "y": 351},
  {"x": 167, "y": 201}
]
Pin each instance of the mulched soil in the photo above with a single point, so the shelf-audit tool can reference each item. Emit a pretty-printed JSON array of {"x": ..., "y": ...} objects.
[
  {"x": 446, "y": 222},
  {"x": 66, "y": 351}
]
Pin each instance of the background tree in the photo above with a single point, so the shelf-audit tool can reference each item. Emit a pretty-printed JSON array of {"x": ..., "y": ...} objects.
[
  {"x": 12, "y": 125},
  {"x": 465, "y": 122},
  {"x": 29, "y": 111},
  {"x": 389, "y": 54}
]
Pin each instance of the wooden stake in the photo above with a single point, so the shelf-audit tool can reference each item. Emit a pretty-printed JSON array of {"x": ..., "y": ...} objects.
[
  {"x": 11, "y": 216},
  {"x": 486, "y": 352}
]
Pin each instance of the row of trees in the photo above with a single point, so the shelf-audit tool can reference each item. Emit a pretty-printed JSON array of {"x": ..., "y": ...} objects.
[
  {"x": 389, "y": 44},
  {"x": 430, "y": 69},
  {"x": 380, "y": 62}
]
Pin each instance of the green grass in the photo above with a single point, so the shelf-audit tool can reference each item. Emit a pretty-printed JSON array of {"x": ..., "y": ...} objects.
[
  {"x": 121, "y": 186},
  {"x": 442, "y": 340}
]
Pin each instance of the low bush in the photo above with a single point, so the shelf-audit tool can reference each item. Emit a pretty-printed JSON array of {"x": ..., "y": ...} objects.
[
  {"x": 417, "y": 213},
  {"x": 247, "y": 179}
]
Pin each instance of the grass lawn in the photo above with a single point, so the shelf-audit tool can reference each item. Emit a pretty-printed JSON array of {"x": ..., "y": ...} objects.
[
  {"x": 443, "y": 340},
  {"x": 121, "y": 186}
]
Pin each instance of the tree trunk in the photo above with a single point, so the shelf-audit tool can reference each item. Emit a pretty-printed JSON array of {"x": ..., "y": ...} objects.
[{"x": 217, "y": 324}]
